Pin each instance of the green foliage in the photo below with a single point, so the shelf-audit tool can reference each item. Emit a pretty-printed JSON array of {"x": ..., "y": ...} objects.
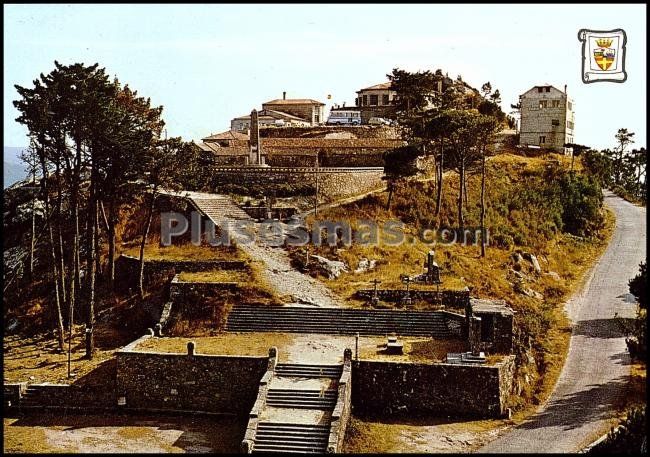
[
  {"x": 629, "y": 438},
  {"x": 638, "y": 286},
  {"x": 581, "y": 199},
  {"x": 638, "y": 344},
  {"x": 401, "y": 162},
  {"x": 414, "y": 90}
]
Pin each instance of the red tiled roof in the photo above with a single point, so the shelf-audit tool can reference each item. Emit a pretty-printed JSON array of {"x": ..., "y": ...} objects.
[
  {"x": 294, "y": 101},
  {"x": 381, "y": 86},
  {"x": 228, "y": 135}
]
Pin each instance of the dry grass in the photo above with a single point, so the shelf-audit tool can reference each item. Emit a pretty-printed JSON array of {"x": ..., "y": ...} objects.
[
  {"x": 46, "y": 433},
  {"x": 186, "y": 251},
  {"x": 37, "y": 359},
  {"x": 416, "y": 350},
  {"x": 215, "y": 276},
  {"x": 567, "y": 256},
  {"x": 255, "y": 344},
  {"x": 418, "y": 435}
]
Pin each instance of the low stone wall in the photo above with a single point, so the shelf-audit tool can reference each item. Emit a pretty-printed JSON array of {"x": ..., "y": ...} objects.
[
  {"x": 333, "y": 183},
  {"x": 13, "y": 392},
  {"x": 343, "y": 408},
  {"x": 450, "y": 389},
  {"x": 457, "y": 299},
  {"x": 260, "y": 402},
  {"x": 260, "y": 212},
  {"x": 158, "y": 381},
  {"x": 127, "y": 268},
  {"x": 179, "y": 290}
]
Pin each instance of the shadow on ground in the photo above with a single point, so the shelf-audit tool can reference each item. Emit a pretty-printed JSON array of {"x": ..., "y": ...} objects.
[
  {"x": 603, "y": 328},
  {"x": 574, "y": 410},
  {"x": 198, "y": 433}
]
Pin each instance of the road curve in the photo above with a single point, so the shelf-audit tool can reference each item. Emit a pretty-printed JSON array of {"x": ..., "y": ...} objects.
[{"x": 597, "y": 369}]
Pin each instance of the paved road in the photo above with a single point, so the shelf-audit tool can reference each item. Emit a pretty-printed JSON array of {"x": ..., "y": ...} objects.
[{"x": 597, "y": 366}]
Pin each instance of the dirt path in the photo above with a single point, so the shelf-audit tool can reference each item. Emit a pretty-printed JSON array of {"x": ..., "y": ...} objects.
[
  {"x": 287, "y": 280},
  {"x": 597, "y": 369}
]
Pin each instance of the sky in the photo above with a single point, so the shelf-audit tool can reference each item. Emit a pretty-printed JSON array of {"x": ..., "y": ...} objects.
[{"x": 206, "y": 64}]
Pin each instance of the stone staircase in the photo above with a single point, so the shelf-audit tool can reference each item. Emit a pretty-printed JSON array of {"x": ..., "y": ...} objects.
[
  {"x": 339, "y": 321},
  {"x": 291, "y": 438},
  {"x": 301, "y": 399},
  {"x": 31, "y": 397},
  {"x": 291, "y": 416},
  {"x": 308, "y": 371}
]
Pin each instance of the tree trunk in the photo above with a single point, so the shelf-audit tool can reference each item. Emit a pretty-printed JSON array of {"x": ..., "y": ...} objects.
[
  {"x": 59, "y": 217},
  {"x": 32, "y": 245},
  {"x": 74, "y": 267},
  {"x": 441, "y": 171},
  {"x": 483, "y": 205},
  {"x": 465, "y": 193},
  {"x": 143, "y": 243},
  {"x": 111, "y": 244},
  {"x": 90, "y": 266},
  {"x": 461, "y": 222},
  {"x": 390, "y": 194},
  {"x": 48, "y": 221}
]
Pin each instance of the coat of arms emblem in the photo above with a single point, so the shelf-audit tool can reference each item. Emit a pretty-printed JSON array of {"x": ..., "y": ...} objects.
[{"x": 603, "y": 55}]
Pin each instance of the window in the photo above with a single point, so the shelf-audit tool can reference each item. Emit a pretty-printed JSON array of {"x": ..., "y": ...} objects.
[
  {"x": 570, "y": 106},
  {"x": 556, "y": 103},
  {"x": 365, "y": 100},
  {"x": 543, "y": 104},
  {"x": 384, "y": 99},
  {"x": 374, "y": 100},
  {"x": 548, "y": 89},
  {"x": 542, "y": 139},
  {"x": 569, "y": 125},
  {"x": 555, "y": 122},
  {"x": 317, "y": 118},
  {"x": 540, "y": 89}
]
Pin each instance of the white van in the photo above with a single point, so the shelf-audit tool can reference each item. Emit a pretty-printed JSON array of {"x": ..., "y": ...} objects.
[{"x": 344, "y": 117}]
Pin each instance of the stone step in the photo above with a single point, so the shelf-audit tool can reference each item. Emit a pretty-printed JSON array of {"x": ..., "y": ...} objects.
[{"x": 337, "y": 321}]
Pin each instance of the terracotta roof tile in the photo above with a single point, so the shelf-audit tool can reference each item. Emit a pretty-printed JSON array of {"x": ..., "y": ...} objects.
[{"x": 294, "y": 101}]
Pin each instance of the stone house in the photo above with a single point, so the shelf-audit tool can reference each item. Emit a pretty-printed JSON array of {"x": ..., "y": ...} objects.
[
  {"x": 547, "y": 118},
  {"x": 306, "y": 109},
  {"x": 375, "y": 101},
  {"x": 268, "y": 118}
]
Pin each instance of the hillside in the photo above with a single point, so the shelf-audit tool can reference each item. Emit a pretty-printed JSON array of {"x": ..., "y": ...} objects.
[
  {"x": 526, "y": 215},
  {"x": 14, "y": 169}
]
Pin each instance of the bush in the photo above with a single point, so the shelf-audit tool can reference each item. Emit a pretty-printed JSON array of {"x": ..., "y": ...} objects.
[{"x": 629, "y": 438}]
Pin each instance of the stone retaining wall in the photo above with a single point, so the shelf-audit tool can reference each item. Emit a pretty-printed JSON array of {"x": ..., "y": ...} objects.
[
  {"x": 449, "y": 389},
  {"x": 180, "y": 291},
  {"x": 127, "y": 268},
  {"x": 182, "y": 382},
  {"x": 332, "y": 184},
  {"x": 343, "y": 408},
  {"x": 457, "y": 299}
]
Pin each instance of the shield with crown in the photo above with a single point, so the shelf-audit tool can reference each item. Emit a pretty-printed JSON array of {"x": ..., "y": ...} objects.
[{"x": 604, "y": 55}]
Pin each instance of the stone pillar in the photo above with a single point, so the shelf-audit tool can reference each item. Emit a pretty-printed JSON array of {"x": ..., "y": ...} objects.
[
  {"x": 254, "y": 140},
  {"x": 474, "y": 338},
  {"x": 191, "y": 348},
  {"x": 431, "y": 255}
]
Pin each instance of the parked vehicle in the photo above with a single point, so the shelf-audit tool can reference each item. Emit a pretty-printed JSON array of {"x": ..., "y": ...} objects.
[
  {"x": 379, "y": 121},
  {"x": 344, "y": 117}
]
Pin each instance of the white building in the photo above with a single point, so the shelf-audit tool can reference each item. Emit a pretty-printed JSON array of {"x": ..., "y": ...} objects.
[{"x": 547, "y": 118}]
